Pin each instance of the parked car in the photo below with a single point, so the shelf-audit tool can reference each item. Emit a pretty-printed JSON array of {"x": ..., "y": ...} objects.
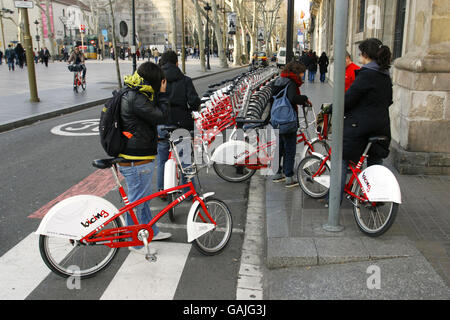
[{"x": 281, "y": 57}]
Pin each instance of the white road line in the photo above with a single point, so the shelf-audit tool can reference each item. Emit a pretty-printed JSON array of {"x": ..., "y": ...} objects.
[
  {"x": 138, "y": 279},
  {"x": 22, "y": 269}
]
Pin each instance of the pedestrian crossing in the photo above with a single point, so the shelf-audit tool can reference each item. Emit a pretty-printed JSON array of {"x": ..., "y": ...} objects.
[{"x": 24, "y": 275}]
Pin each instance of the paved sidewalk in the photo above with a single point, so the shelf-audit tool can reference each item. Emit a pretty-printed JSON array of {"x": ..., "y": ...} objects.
[
  {"x": 55, "y": 89},
  {"x": 303, "y": 261}
]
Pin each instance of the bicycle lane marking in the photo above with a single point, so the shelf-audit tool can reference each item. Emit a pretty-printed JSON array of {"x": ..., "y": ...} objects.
[
  {"x": 21, "y": 269},
  {"x": 98, "y": 183},
  {"x": 138, "y": 279}
]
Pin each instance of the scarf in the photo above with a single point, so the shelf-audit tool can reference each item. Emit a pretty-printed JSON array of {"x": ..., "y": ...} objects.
[
  {"x": 290, "y": 75},
  {"x": 135, "y": 81}
]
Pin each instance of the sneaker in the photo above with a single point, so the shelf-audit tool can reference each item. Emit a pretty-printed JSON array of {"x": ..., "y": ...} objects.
[
  {"x": 162, "y": 236},
  {"x": 290, "y": 182},
  {"x": 278, "y": 178},
  {"x": 142, "y": 250}
]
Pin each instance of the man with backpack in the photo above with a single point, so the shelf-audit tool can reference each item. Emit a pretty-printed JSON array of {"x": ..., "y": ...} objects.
[
  {"x": 143, "y": 104},
  {"x": 183, "y": 100},
  {"x": 284, "y": 117}
]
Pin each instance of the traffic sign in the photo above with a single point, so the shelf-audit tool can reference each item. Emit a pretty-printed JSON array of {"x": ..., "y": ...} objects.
[{"x": 24, "y": 4}]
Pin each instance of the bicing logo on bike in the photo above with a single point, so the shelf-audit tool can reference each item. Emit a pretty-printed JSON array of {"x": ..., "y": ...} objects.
[{"x": 95, "y": 217}]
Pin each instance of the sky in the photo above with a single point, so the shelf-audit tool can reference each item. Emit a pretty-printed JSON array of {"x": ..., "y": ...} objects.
[{"x": 302, "y": 5}]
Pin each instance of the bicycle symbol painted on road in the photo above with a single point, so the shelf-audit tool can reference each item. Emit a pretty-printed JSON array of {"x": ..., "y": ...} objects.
[{"x": 77, "y": 128}]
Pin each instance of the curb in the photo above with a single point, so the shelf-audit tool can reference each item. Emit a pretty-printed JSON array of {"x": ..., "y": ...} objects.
[
  {"x": 78, "y": 107},
  {"x": 250, "y": 278}
]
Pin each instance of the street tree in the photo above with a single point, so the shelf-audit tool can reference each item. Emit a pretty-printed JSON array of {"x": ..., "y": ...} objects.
[
  {"x": 116, "y": 54},
  {"x": 45, "y": 8}
]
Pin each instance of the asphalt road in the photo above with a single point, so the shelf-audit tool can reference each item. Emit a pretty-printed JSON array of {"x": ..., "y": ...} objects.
[{"x": 38, "y": 166}]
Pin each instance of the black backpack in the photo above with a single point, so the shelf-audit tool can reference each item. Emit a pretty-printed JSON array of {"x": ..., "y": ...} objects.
[{"x": 110, "y": 129}]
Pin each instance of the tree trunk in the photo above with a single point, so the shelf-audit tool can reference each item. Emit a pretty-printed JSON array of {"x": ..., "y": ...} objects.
[
  {"x": 201, "y": 39},
  {"x": 116, "y": 54},
  {"x": 219, "y": 38},
  {"x": 50, "y": 34},
  {"x": 173, "y": 20}
]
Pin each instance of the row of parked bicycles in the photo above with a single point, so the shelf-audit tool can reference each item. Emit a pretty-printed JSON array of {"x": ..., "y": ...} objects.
[
  {"x": 373, "y": 191},
  {"x": 81, "y": 235}
]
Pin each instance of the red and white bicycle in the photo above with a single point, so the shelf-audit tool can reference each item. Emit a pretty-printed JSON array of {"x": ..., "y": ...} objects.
[{"x": 81, "y": 235}]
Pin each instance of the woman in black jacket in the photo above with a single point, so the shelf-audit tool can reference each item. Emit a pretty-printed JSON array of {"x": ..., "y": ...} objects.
[
  {"x": 367, "y": 105},
  {"x": 142, "y": 108}
]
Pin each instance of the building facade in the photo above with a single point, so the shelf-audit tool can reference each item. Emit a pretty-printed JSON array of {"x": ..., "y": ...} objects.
[
  {"x": 153, "y": 21},
  {"x": 66, "y": 16},
  {"x": 417, "y": 33}
]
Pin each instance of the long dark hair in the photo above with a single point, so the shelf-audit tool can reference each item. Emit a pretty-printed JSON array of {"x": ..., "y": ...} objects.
[
  {"x": 377, "y": 51},
  {"x": 152, "y": 74}
]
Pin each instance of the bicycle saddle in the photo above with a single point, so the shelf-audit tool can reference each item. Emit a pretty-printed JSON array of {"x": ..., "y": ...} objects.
[
  {"x": 106, "y": 163},
  {"x": 378, "y": 139}
]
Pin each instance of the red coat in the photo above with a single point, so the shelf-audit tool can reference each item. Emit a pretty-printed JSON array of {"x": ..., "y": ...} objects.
[{"x": 350, "y": 75}]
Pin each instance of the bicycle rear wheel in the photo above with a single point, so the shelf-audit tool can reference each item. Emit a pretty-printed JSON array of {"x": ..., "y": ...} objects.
[
  {"x": 316, "y": 187},
  {"x": 67, "y": 257},
  {"x": 215, "y": 240},
  {"x": 234, "y": 174},
  {"x": 373, "y": 219}
]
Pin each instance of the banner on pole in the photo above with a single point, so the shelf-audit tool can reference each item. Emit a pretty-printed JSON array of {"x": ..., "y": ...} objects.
[{"x": 232, "y": 18}]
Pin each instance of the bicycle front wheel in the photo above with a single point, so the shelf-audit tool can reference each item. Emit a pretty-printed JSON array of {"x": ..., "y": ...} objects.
[
  {"x": 373, "y": 219},
  {"x": 313, "y": 176},
  {"x": 67, "y": 257},
  {"x": 215, "y": 240},
  {"x": 234, "y": 174}
]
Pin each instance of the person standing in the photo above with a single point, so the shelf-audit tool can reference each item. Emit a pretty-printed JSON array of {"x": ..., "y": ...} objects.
[
  {"x": 144, "y": 105},
  {"x": 323, "y": 66},
  {"x": 45, "y": 56},
  {"x": 10, "y": 56},
  {"x": 183, "y": 100},
  {"x": 20, "y": 55},
  {"x": 290, "y": 79},
  {"x": 350, "y": 69},
  {"x": 312, "y": 67}
]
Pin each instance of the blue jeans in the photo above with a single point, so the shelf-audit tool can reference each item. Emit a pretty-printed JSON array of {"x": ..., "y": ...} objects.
[
  {"x": 139, "y": 183},
  {"x": 11, "y": 64},
  {"x": 288, "y": 146},
  {"x": 322, "y": 77},
  {"x": 312, "y": 76}
]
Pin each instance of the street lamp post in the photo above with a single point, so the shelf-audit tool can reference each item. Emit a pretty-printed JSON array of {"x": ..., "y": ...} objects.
[
  {"x": 207, "y": 8},
  {"x": 134, "y": 35},
  {"x": 37, "y": 33}
]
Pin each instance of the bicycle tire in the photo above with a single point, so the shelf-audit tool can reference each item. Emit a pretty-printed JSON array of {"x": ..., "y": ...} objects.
[
  {"x": 226, "y": 174},
  {"x": 66, "y": 265},
  {"x": 319, "y": 146},
  {"x": 361, "y": 211},
  {"x": 306, "y": 169},
  {"x": 206, "y": 243}
]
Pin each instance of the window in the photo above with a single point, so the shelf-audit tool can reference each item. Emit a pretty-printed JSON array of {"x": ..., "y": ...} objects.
[
  {"x": 362, "y": 15},
  {"x": 399, "y": 28}
]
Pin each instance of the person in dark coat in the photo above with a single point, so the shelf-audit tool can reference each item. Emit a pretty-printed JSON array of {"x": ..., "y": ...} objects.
[
  {"x": 367, "y": 104},
  {"x": 183, "y": 100},
  {"x": 312, "y": 67},
  {"x": 323, "y": 66}
]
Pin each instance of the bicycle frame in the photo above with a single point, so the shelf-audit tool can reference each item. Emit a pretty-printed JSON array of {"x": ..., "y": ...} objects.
[{"x": 113, "y": 238}]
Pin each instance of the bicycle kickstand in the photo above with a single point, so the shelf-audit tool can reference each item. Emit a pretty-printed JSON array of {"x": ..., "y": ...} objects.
[{"x": 143, "y": 236}]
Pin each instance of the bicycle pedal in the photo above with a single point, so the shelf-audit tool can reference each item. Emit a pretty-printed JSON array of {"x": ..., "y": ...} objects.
[{"x": 151, "y": 257}]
